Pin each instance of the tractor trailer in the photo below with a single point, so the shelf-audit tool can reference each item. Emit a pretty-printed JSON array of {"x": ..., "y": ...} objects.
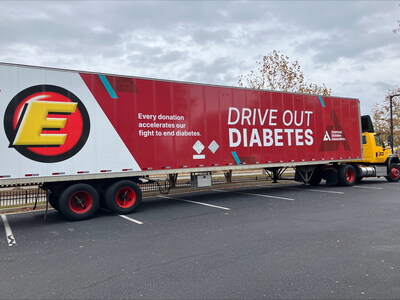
[{"x": 88, "y": 139}]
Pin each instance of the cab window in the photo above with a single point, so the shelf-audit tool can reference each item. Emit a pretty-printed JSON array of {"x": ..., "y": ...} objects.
[
  {"x": 378, "y": 141},
  {"x": 364, "y": 139}
]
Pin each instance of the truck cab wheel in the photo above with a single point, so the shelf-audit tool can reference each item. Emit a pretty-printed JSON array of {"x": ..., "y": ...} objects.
[
  {"x": 79, "y": 202},
  {"x": 123, "y": 197},
  {"x": 394, "y": 173},
  {"x": 347, "y": 175}
]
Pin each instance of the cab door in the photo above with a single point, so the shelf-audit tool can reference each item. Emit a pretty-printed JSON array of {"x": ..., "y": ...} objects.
[{"x": 380, "y": 150}]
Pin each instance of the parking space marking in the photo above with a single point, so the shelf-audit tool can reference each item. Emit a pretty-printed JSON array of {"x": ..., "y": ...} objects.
[
  {"x": 320, "y": 191},
  {"x": 124, "y": 217},
  {"x": 10, "y": 237},
  {"x": 367, "y": 187},
  {"x": 257, "y": 195},
  {"x": 196, "y": 202}
]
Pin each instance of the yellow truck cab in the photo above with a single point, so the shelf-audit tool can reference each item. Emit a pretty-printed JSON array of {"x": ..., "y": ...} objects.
[
  {"x": 378, "y": 159},
  {"x": 374, "y": 148}
]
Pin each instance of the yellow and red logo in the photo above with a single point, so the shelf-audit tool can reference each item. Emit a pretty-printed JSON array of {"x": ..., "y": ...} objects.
[{"x": 46, "y": 123}]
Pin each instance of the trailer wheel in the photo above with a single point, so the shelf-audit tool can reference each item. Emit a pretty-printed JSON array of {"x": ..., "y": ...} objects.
[
  {"x": 123, "y": 197},
  {"x": 79, "y": 202},
  {"x": 347, "y": 175},
  {"x": 394, "y": 173}
]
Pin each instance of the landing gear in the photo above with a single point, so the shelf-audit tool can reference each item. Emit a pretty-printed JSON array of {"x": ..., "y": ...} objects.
[{"x": 275, "y": 173}]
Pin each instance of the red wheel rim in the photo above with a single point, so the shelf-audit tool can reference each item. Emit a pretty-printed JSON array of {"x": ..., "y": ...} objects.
[
  {"x": 125, "y": 197},
  {"x": 80, "y": 202},
  {"x": 350, "y": 175},
  {"x": 395, "y": 173}
]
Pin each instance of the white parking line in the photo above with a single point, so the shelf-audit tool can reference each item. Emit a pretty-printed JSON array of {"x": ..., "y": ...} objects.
[
  {"x": 319, "y": 191},
  {"x": 367, "y": 187},
  {"x": 258, "y": 195},
  {"x": 124, "y": 217},
  {"x": 195, "y": 202},
  {"x": 10, "y": 237}
]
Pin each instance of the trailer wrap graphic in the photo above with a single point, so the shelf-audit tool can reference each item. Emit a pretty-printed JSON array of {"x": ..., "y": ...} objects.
[
  {"x": 65, "y": 122},
  {"x": 46, "y": 123},
  {"x": 172, "y": 125}
]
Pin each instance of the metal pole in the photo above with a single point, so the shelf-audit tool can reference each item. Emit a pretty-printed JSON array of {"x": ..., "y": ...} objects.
[
  {"x": 391, "y": 124},
  {"x": 391, "y": 120}
]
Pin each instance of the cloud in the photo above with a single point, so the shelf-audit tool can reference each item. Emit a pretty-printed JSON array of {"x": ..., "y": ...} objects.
[{"x": 345, "y": 44}]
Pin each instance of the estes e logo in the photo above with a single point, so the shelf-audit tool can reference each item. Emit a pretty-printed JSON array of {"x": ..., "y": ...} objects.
[{"x": 46, "y": 123}]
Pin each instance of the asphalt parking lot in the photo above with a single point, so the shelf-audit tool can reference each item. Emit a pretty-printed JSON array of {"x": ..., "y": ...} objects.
[{"x": 275, "y": 241}]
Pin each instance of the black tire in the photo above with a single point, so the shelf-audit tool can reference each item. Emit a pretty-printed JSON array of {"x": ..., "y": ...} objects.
[
  {"x": 79, "y": 202},
  {"x": 53, "y": 200},
  {"x": 123, "y": 197},
  {"x": 394, "y": 173},
  {"x": 347, "y": 175},
  {"x": 359, "y": 179},
  {"x": 316, "y": 177}
]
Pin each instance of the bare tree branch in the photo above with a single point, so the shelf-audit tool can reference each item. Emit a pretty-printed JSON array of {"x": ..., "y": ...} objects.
[{"x": 277, "y": 72}]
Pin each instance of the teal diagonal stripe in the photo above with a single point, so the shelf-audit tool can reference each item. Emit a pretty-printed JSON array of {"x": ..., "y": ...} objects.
[
  {"x": 108, "y": 86},
  {"x": 321, "y": 100},
  {"x": 236, "y": 157}
]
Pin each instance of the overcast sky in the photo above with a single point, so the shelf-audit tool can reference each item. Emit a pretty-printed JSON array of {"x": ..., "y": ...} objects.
[{"x": 348, "y": 45}]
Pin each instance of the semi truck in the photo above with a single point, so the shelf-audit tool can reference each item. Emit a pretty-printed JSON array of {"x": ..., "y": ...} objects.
[{"x": 89, "y": 139}]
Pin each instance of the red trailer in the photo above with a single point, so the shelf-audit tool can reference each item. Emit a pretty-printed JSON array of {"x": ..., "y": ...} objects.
[{"x": 88, "y": 137}]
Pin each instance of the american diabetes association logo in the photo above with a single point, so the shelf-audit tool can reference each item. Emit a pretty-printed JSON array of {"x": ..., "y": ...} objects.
[{"x": 46, "y": 123}]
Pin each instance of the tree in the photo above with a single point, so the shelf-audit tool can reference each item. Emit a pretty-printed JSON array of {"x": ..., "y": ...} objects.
[
  {"x": 381, "y": 116},
  {"x": 277, "y": 72}
]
